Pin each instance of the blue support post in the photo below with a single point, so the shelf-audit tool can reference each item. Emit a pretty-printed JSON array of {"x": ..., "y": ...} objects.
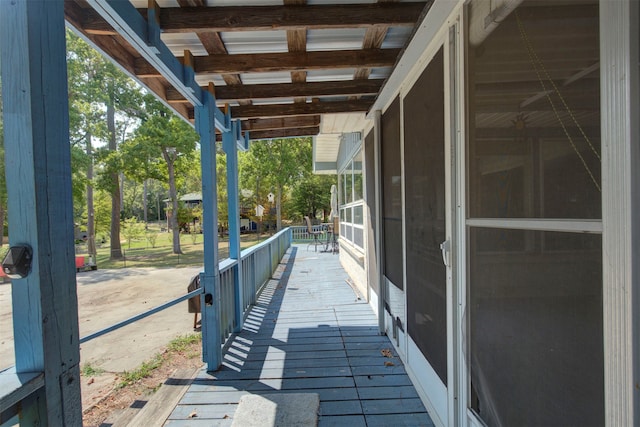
[
  {"x": 210, "y": 299},
  {"x": 40, "y": 206},
  {"x": 230, "y": 147}
]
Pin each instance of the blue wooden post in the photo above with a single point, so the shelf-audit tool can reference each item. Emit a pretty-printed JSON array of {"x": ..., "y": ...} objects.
[
  {"x": 38, "y": 173},
  {"x": 210, "y": 299},
  {"x": 230, "y": 146}
]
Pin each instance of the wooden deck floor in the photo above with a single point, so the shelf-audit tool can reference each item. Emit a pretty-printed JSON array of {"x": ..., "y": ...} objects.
[{"x": 309, "y": 332}]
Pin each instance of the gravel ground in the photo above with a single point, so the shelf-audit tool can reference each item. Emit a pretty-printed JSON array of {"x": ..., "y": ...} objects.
[{"x": 109, "y": 296}]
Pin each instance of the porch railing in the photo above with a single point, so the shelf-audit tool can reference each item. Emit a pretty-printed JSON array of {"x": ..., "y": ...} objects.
[
  {"x": 258, "y": 263},
  {"x": 300, "y": 233}
]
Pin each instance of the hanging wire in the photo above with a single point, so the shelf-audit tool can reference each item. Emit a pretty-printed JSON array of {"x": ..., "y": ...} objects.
[{"x": 535, "y": 62}]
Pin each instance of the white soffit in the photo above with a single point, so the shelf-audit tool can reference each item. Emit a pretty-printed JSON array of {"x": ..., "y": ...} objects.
[
  {"x": 327, "y": 144},
  {"x": 326, "y": 147},
  {"x": 342, "y": 123}
]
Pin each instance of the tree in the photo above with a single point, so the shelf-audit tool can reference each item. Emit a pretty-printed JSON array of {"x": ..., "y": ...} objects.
[
  {"x": 276, "y": 163},
  {"x": 161, "y": 135},
  {"x": 132, "y": 230},
  {"x": 104, "y": 103},
  {"x": 312, "y": 194}
]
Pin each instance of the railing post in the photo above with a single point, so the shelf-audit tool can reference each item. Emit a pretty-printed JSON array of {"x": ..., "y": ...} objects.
[
  {"x": 40, "y": 205},
  {"x": 230, "y": 147},
  {"x": 209, "y": 279}
]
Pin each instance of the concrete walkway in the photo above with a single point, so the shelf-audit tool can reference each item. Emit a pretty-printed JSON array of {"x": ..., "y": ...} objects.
[{"x": 309, "y": 333}]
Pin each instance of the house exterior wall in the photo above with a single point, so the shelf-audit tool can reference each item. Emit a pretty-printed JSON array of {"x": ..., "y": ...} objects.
[{"x": 526, "y": 280}]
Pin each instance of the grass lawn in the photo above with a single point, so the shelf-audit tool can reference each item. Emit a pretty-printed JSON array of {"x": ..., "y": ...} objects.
[{"x": 140, "y": 253}]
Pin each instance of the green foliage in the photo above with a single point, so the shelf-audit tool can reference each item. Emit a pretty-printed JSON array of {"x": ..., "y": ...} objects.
[
  {"x": 144, "y": 371},
  {"x": 132, "y": 229},
  {"x": 183, "y": 342},
  {"x": 275, "y": 166},
  {"x": 152, "y": 238},
  {"x": 146, "y": 154},
  {"x": 221, "y": 180},
  {"x": 88, "y": 370},
  {"x": 312, "y": 194},
  {"x": 104, "y": 103},
  {"x": 102, "y": 213}
]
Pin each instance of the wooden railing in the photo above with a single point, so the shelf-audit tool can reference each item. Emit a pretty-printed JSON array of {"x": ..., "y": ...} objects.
[
  {"x": 300, "y": 234},
  {"x": 258, "y": 263}
]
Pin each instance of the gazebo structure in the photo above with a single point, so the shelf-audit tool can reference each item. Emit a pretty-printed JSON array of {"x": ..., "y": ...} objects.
[{"x": 487, "y": 157}]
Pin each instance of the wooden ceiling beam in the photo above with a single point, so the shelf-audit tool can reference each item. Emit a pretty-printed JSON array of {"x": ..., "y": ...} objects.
[
  {"x": 280, "y": 123},
  {"x": 297, "y": 42},
  {"x": 283, "y": 133},
  {"x": 278, "y": 133},
  {"x": 289, "y": 90},
  {"x": 299, "y": 109},
  {"x": 285, "y": 17},
  {"x": 285, "y": 61}
]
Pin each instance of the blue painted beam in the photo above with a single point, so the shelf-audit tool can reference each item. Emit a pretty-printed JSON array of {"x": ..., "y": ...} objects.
[
  {"x": 144, "y": 36},
  {"x": 40, "y": 204},
  {"x": 230, "y": 146},
  {"x": 209, "y": 280}
]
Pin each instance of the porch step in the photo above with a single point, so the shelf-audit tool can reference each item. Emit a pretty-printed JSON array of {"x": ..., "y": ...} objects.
[
  {"x": 295, "y": 409},
  {"x": 158, "y": 408}
]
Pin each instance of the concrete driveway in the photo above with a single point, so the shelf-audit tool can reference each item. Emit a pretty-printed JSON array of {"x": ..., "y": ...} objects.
[{"x": 109, "y": 296}]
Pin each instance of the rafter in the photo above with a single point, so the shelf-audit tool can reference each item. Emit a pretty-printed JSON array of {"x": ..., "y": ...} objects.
[
  {"x": 297, "y": 42},
  {"x": 286, "y": 61},
  {"x": 283, "y": 133},
  {"x": 287, "y": 17},
  {"x": 289, "y": 90},
  {"x": 280, "y": 123},
  {"x": 214, "y": 45},
  {"x": 299, "y": 109}
]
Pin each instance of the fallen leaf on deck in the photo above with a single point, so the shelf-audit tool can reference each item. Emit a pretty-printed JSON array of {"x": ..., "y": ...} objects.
[
  {"x": 386, "y": 352},
  {"x": 389, "y": 364},
  {"x": 193, "y": 414},
  {"x": 225, "y": 417}
]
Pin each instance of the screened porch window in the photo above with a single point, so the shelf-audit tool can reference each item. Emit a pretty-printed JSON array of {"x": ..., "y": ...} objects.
[
  {"x": 352, "y": 203},
  {"x": 534, "y": 216}
]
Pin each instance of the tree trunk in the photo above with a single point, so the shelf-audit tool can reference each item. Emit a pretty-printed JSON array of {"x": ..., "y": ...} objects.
[
  {"x": 144, "y": 204},
  {"x": 2, "y": 213},
  {"x": 174, "y": 204},
  {"x": 91, "y": 225},
  {"x": 279, "y": 208},
  {"x": 116, "y": 247}
]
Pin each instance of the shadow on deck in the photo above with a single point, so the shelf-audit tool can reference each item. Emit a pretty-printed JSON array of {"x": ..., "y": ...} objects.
[{"x": 308, "y": 333}]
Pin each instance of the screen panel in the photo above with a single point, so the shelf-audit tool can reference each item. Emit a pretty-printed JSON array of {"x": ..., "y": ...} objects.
[
  {"x": 424, "y": 169},
  {"x": 535, "y": 297},
  {"x": 392, "y": 194},
  {"x": 536, "y": 350}
]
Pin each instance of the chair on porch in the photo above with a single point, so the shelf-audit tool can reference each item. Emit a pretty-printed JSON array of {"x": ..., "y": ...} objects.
[{"x": 315, "y": 234}]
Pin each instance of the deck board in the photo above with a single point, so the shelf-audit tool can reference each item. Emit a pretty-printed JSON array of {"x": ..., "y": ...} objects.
[{"x": 309, "y": 332}]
